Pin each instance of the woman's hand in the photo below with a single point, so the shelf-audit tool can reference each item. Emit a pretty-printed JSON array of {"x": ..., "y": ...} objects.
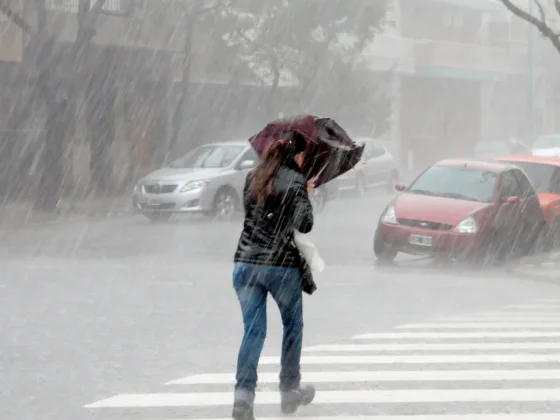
[{"x": 310, "y": 185}]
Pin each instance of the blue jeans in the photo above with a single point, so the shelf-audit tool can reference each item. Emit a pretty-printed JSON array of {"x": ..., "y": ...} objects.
[{"x": 252, "y": 284}]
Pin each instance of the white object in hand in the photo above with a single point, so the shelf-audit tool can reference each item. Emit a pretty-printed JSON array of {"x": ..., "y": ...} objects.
[{"x": 309, "y": 251}]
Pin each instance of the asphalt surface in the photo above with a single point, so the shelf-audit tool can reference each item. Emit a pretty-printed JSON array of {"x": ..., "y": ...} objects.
[{"x": 97, "y": 318}]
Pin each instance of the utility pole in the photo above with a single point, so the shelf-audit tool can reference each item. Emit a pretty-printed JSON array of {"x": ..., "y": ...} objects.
[{"x": 531, "y": 79}]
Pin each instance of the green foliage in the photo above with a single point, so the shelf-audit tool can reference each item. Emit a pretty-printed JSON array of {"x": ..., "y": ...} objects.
[
  {"x": 291, "y": 35},
  {"x": 313, "y": 48}
]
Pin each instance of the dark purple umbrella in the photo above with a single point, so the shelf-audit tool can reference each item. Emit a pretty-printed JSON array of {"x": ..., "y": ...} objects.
[{"x": 330, "y": 151}]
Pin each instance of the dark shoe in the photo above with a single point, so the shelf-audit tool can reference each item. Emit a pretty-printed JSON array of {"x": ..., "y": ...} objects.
[
  {"x": 242, "y": 411},
  {"x": 292, "y": 400},
  {"x": 243, "y": 405}
]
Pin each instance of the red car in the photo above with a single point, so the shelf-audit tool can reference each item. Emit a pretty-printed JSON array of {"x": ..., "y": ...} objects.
[
  {"x": 462, "y": 208},
  {"x": 544, "y": 174}
]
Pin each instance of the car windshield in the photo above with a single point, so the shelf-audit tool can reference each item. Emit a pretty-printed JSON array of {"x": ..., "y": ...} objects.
[
  {"x": 209, "y": 157},
  {"x": 456, "y": 182},
  {"x": 547, "y": 142},
  {"x": 545, "y": 178}
]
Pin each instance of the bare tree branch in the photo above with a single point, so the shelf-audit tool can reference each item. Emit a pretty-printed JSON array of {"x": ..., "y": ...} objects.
[
  {"x": 526, "y": 16},
  {"x": 541, "y": 10},
  {"x": 97, "y": 8},
  {"x": 41, "y": 9},
  {"x": 15, "y": 17},
  {"x": 541, "y": 25}
]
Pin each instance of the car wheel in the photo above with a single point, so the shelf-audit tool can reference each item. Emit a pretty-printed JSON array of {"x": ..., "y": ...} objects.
[
  {"x": 493, "y": 249},
  {"x": 158, "y": 216},
  {"x": 544, "y": 239},
  {"x": 225, "y": 204},
  {"x": 382, "y": 251},
  {"x": 554, "y": 234},
  {"x": 360, "y": 185},
  {"x": 392, "y": 182},
  {"x": 318, "y": 198}
]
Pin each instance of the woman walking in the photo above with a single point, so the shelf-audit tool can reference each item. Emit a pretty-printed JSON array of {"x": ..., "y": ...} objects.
[{"x": 276, "y": 203}]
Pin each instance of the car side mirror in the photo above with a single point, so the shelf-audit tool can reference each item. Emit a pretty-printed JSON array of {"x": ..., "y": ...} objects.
[
  {"x": 400, "y": 187},
  {"x": 246, "y": 164},
  {"x": 512, "y": 200}
]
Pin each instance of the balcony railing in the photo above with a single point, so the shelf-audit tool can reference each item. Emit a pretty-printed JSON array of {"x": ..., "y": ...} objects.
[
  {"x": 391, "y": 51},
  {"x": 116, "y": 7},
  {"x": 440, "y": 54}
]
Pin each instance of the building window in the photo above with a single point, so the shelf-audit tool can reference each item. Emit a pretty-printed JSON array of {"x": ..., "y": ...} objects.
[
  {"x": 71, "y": 6},
  {"x": 453, "y": 18},
  {"x": 448, "y": 19}
]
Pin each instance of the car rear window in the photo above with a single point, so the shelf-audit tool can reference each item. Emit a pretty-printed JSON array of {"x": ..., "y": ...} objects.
[
  {"x": 545, "y": 178},
  {"x": 456, "y": 182}
]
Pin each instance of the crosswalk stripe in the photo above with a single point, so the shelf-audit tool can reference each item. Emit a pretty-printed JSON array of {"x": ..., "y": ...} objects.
[
  {"x": 381, "y": 376},
  {"x": 535, "y": 306},
  {"x": 527, "y": 314},
  {"x": 504, "y": 416},
  {"x": 432, "y": 346},
  {"x": 483, "y": 318},
  {"x": 482, "y": 325},
  {"x": 528, "y": 335},
  {"x": 422, "y": 359},
  {"x": 336, "y": 397},
  {"x": 440, "y": 335}
]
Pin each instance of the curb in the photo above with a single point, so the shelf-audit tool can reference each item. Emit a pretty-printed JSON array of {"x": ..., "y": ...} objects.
[
  {"x": 68, "y": 218},
  {"x": 534, "y": 273},
  {"x": 537, "y": 267}
]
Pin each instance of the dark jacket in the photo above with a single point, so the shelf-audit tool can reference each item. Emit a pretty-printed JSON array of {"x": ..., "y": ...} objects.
[{"x": 268, "y": 231}]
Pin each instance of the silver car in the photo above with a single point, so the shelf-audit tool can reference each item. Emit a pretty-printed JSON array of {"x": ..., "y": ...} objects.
[
  {"x": 208, "y": 180},
  {"x": 376, "y": 168}
]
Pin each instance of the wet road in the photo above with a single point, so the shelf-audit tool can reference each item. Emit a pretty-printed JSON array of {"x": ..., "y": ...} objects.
[{"x": 91, "y": 311}]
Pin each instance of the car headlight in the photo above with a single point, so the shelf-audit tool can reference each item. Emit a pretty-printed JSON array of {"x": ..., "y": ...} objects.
[
  {"x": 193, "y": 185},
  {"x": 390, "y": 216},
  {"x": 469, "y": 225},
  {"x": 138, "y": 188}
]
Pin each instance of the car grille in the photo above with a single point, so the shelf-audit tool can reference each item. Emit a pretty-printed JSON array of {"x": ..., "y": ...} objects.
[
  {"x": 424, "y": 224},
  {"x": 160, "y": 189},
  {"x": 162, "y": 206}
]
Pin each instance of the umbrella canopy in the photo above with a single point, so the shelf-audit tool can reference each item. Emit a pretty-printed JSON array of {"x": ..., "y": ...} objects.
[{"x": 330, "y": 152}]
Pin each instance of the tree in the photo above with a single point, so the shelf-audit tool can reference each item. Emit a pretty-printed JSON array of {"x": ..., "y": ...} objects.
[
  {"x": 314, "y": 45},
  {"x": 351, "y": 92},
  {"x": 193, "y": 13},
  {"x": 53, "y": 92},
  {"x": 542, "y": 22}
]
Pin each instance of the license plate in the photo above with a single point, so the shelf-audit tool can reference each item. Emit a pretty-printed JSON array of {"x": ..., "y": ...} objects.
[
  {"x": 420, "y": 240},
  {"x": 154, "y": 202}
]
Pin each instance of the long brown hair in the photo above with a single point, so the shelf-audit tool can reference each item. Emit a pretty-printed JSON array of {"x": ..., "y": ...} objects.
[{"x": 290, "y": 144}]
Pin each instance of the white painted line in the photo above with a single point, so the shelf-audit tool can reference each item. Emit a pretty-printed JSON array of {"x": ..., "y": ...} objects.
[
  {"x": 506, "y": 416},
  {"x": 432, "y": 346},
  {"x": 422, "y": 359},
  {"x": 381, "y": 376},
  {"x": 335, "y": 397},
  {"x": 341, "y": 284},
  {"x": 481, "y": 325},
  {"x": 440, "y": 335},
  {"x": 518, "y": 313},
  {"x": 485, "y": 318},
  {"x": 170, "y": 283}
]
